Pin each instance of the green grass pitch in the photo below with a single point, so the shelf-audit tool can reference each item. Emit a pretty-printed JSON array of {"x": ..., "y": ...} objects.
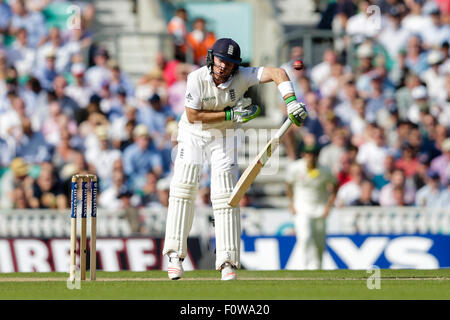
[{"x": 252, "y": 285}]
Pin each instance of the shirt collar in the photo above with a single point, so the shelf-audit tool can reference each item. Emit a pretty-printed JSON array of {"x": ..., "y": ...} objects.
[{"x": 222, "y": 85}]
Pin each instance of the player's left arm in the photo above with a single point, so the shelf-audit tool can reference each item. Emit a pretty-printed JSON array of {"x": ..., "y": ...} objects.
[{"x": 296, "y": 110}]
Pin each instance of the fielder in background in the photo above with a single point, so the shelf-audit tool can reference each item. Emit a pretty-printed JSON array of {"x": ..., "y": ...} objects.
[
  {"x": 311, "y": 189},
  {"x": 215, "y": 102}
]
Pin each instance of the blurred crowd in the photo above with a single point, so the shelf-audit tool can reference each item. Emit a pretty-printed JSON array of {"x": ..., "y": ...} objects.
[
  {"x": 66, "y": 107},
  {"x": 382, "y": 124}
]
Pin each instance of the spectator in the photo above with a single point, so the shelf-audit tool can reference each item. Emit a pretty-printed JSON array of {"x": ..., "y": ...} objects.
[
  {"x": 79, "y": 91},
  {"x": 420, "y": 106},
  {"x": 119, "y": 80},
  {"x": 141, "y": 157},
  {"x": 149, "y": 192},
  {"x": 416, "y": 57},
  {"x": 6, "y": 153},
  {"x": 177, "y": 27},
  {"x": 19, "y": 199},
  {"x": 404, "y": 97},
  {"x": 344, "y": 109},
  {"x": 46, "y": 73},
  {"x": 200, "y": 40},
  {"x": 321, "y": 71},
  {"x": 366, "y": 197},
  {"x": 435, "y": 32},
  {"x": 428, "y": 195},
  {"x": 333, "y": 151},
  {"x": 16, "y": 177},
  {"x": 48, "y": 190},
  {"x": 31, "y": 145},
  {"x": 390, "y": 196},
  {"x": 103, "y": 158},
  {"x": 441, "y": 164},
  {"x": 69, "y": 106},
  {"x": 64, "y": 151},
  {"x": 371, "y": 154},
  {"x": 5, "y": 16},
  {"x": 109, "y": 197},
  {"x": 432, "y": 77},
  {"x": 55, "y": 44},
  {"x": 20, "y": 55},
  {"x": 380, "y": 180},
  {"x": 345, "y": 161},
  {"x": 163, "y": 188},
  {"x": 55, "y": 123},
  {"x": 33, "y": 22},
  {"x": 408, "y": 162},
  {"x": 415, "y": 21},
  {"x": 360, "y": 25},
  {"x": 176, "y": 92},
  {"x": 351, "y": 190},
  {"x": 11, "y": 121},
  {"x": 99, "y": 74},
  {"x": 151, "y": 84},
  {"x": 393, "y": 37},
  {"x": 444, "y": 197}
]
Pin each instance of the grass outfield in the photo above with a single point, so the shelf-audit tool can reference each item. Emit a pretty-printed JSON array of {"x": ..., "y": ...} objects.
[{"x": 252, "y": 285}]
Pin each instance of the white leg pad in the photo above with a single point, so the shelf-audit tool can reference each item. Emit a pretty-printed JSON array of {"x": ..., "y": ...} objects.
[
  {"x": 227, "y": 220},
  {"x": 180, "y": 214}
]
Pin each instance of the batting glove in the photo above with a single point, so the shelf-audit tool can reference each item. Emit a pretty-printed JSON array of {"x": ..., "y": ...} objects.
[
  {"x": 296, "y": 111},
  {"x": 243, "y": 111}
]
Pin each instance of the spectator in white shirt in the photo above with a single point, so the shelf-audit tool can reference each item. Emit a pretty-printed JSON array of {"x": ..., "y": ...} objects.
[
  {"x": 434, "y": 80},
  {"x": 20, "y": 55},
  {"x": 415, "y": 22},
  {"x": 99, "y": 74},
  {"x": 363, "y": 25},
  {"x": 350, "y": 191},
  {"x": 333, "y": 151},
  {"x": 79, "y": 90},
  {"x": 102, "y": 159},
  {"x": 371, "y": 154},
  {"x": 437, "y": 32},
  {"x": 56, "y": 44},
  {"x": 321, "y": 71},
  {"x": 393, "y": 37}
]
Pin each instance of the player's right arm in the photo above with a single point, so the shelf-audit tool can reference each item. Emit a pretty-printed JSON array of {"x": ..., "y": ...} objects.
[{"x": 204, "y": 116}]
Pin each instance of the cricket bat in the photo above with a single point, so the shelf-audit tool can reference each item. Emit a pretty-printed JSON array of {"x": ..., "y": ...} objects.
[{"x": 255, "y": 166}]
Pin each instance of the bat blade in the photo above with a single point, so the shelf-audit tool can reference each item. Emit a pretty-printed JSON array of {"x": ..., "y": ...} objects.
[
  {"x": 252, "y": 172},
  {"x": 254, "y": 168}
]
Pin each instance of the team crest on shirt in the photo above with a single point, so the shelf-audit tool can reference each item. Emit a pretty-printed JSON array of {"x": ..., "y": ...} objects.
[
  {"x": 189, "y": 97},
  {"x": 232, "y": 95}
]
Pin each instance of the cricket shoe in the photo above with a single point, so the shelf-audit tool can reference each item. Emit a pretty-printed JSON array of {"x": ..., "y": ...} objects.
[
  {"x": 175, "y": 268},
  {"x": 228, "y": 272}
]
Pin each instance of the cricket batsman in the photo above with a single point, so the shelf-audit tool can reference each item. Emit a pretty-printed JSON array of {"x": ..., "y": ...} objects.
[{"x": 214, "y": 102}]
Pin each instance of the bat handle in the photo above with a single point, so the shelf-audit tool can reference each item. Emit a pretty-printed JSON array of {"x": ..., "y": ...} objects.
[{"x": 286, "y": 125}]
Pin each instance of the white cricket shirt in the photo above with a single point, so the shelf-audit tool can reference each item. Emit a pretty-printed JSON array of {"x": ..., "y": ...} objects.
[
  {"x": 309, "y": 188},
  {"x": 203, "y": 94}
]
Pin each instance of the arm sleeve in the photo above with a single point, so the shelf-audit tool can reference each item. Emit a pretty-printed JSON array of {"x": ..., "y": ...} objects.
[
  {"x": 252, "y": 75},
  {"x": 192, "y": 97}
]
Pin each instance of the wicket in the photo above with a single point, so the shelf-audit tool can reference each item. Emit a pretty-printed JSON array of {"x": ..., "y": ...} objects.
[{"x": 85, "y": 178}]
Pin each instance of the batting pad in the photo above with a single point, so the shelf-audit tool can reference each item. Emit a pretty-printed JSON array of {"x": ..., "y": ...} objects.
[
  {"x": 227, "y": 220},
  {"x": 180, "y": 214}
]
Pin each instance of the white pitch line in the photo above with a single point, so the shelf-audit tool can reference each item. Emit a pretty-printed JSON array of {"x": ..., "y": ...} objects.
[{"x": 22, "y": 279}]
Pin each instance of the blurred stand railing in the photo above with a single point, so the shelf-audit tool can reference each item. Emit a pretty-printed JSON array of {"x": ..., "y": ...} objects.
[
  {"x": 151, "y": 222},
  {"x": 136, "y": 51},
  {"x": 314, "y": 43}
]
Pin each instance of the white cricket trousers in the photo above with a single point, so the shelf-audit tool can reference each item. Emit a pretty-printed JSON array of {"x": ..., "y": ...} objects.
[
  {"x": 311, "y": 235},
  {"x": 194, "y": 150}
]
